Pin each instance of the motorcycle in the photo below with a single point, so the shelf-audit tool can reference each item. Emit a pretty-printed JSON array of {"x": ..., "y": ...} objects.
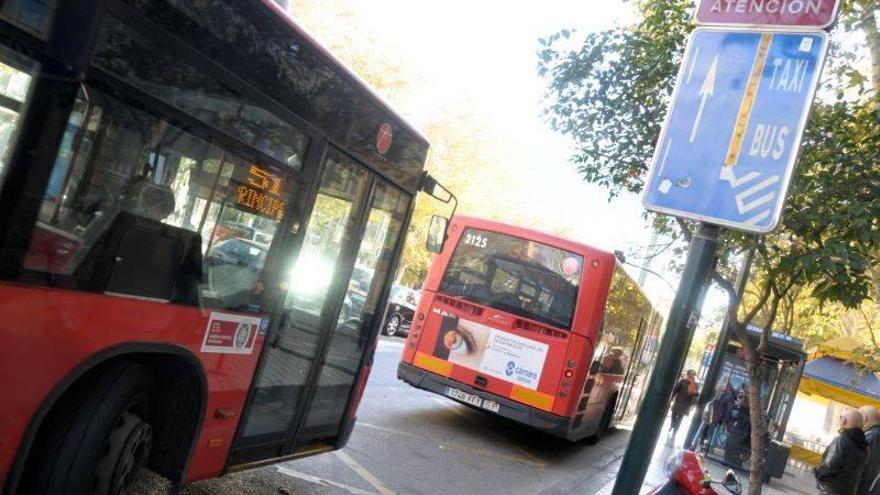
[{"x": 686, "y": 475}]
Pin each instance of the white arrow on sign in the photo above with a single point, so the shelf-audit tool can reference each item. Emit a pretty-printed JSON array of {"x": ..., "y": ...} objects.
[{"x": 706, "y": 90}]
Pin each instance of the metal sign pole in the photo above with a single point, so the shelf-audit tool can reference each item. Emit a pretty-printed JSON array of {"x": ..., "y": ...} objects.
[
  {"x": 671, "y": 357},
  {"x": 711, "y": 380}
]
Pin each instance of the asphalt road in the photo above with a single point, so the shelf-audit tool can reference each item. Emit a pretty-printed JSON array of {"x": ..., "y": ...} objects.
[{"x": 411, "y": 442}]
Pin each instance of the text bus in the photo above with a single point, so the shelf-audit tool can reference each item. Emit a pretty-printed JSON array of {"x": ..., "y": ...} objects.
[
  {"x": 201, "y": 212},
  {"x": 535, "y": 328}
]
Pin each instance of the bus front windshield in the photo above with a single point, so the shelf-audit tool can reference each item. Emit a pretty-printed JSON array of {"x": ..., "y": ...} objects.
[{"x": 515, "y": 275}]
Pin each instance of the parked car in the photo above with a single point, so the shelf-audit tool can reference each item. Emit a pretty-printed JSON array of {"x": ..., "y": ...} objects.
[{"x": 402, "y": 304}]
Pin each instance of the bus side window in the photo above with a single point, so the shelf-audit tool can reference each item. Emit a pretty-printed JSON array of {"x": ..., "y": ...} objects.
[{"x": 125, "y": 181}]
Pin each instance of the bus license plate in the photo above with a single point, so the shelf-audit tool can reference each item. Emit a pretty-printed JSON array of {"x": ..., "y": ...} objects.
[
  {"x": 491, "y": 405},
  {"x": 464, "y": 397}
]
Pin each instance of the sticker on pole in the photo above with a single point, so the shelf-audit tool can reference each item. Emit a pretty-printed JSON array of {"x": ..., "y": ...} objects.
[
  {"x": 230, "y": 334},
  {"x": 733, "y": 131},
  {"x": 775, "y": 14}
]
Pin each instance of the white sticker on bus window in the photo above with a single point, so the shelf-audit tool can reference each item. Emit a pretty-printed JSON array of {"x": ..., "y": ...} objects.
[{"x": 230, "y": 334}]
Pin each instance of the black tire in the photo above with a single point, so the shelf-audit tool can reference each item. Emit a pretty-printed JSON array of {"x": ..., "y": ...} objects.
[
  {"x": 97, "y": 438},
  {"x": 392, "y": 326},
  {"x": 604, "y": 423}
]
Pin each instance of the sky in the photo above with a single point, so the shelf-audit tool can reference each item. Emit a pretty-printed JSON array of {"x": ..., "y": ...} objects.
[{"x": 483, "y": 55}]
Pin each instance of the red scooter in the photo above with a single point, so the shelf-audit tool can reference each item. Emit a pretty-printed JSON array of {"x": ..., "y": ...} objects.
[{"x": 686, "y": 475}]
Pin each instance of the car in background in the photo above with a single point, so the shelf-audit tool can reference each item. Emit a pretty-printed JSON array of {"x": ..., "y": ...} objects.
[{"x": 402, "y": 304}]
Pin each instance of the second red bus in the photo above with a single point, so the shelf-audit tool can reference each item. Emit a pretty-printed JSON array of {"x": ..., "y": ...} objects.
[{"x": 535, "y": 328}]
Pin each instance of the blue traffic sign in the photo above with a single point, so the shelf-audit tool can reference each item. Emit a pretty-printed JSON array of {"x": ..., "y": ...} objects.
[{"x": 730, "y": 142}]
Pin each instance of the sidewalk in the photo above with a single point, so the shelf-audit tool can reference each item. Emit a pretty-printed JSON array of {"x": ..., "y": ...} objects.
[{"x": 793, "y": 482}]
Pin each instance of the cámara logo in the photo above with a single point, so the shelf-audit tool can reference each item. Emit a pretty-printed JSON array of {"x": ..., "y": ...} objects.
[{"x": 510, "y": 367}]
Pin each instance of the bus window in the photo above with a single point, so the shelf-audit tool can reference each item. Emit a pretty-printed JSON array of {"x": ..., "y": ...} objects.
[
  {"x": 515, "y": 275},
  {"x": 123, "y": 175},
  {"x": 15, "y": 82},
  {"x": 134, "y": 58},
  {"x": 33, "y": 15}
]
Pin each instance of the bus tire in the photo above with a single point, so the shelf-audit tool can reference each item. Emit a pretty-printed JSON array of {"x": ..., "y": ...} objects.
[
  {"x": 604, "y": 423},
  {"x": 98, "y": 438}
]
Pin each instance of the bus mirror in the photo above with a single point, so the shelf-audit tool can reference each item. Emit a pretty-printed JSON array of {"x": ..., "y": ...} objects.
[{"x": 436, "y": 234}]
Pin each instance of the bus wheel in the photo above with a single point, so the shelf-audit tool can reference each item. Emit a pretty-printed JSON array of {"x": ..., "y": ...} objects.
[
  {"x": 604, "y": 423},
  {"x": 393, "y": 325},
  {"x": 99, "y": 438}
]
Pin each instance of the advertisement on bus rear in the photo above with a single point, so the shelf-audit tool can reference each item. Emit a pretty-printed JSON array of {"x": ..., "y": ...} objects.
[{"x": 494, "y": 352}]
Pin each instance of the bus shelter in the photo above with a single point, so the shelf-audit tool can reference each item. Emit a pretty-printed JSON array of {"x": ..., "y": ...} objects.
[
  {"x": 780, "y": 371},
  {"x": 834, "y": 379}
]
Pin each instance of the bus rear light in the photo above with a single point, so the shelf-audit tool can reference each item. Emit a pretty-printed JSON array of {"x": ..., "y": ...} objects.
[
  {"x": 569, "y": 373},
  {"x": 572, "y": 363},
  {"x": 421, "y": 316},
  {"x": 563, "y": 394},
  {"x": 566, "y": 383}
]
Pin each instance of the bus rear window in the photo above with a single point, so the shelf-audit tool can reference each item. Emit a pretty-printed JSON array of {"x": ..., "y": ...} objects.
[{"x": 515, "y": 275}]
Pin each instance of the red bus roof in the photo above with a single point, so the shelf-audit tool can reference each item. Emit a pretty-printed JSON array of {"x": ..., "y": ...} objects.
[{"x": 343, "y": 67}]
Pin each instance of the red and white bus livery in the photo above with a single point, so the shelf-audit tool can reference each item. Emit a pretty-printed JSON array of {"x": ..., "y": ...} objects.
[
  {"x": 201, "y": 211},
  {"x": 536, "y": 328}
]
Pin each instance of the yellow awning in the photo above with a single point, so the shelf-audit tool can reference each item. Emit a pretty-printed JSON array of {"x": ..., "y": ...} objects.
[
  {"x": 848, "y": 397},
  {"x": 806, "y": 456}
]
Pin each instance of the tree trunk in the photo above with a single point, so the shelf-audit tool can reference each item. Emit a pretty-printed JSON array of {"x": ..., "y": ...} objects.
[
  {"x": 872, "y": 35},
  {"x": 759, "y": 427}
]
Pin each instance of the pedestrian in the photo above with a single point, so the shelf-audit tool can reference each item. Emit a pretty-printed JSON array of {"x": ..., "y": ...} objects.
[
  {"x": 739, "y": 432},
  {"x": 683, "y": 395},
  {"x": 870, "y": 484},
  {"x": 843, "y": 462}
]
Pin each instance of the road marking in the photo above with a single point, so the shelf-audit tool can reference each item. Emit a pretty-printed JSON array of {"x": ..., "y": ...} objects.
[
  {"x": 321, "y": 481},
  {"x": 748, "y": 103},
  {"x": 363, "y": 473},
  {"x": 448, "y": 446},
  {"x": 389, "y": 347}
]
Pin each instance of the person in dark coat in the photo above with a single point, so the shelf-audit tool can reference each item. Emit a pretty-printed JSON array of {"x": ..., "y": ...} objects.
[
  {"x": 843, "y": 462},
  {"x": 739, "y": 432},
  {"x": 870, "y": 484},
  {"x": 683, "y": 395},
  {"x": 719, "y": 412}
]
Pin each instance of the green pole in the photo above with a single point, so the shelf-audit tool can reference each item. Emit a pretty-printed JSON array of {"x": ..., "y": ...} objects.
[
  {"x": 714, "y": 372},
  {"x": 670, "y": 360}
]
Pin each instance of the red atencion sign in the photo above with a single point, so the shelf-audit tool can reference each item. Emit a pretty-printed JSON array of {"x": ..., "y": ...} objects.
[{"x": 768, "y": 13}]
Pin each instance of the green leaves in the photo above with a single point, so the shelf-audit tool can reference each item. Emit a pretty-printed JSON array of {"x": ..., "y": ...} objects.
[{"x": 610, "y": 97}]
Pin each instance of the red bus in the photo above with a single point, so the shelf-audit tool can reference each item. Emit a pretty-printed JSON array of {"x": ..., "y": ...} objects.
[
  {"x": 202, "y": 210},
  {"x": 532, "y": 327}
]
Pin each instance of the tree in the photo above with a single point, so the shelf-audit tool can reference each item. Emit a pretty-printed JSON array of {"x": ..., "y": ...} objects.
[
  {"x": 466, "y": 154},
  {"x": 609, "y": 95}
]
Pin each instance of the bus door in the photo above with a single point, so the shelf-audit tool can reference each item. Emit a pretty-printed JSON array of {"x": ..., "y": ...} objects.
[
  {"x": 333, "y": 285},
  {"x": 633, "y": 373}
]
